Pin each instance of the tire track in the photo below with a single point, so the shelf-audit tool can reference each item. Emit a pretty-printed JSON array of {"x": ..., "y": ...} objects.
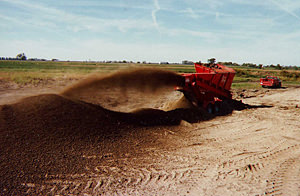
[
  {"x": 285, "y": 180},
  {"x": 123, "y": 180},
  {"x": 244, "y": 167}
]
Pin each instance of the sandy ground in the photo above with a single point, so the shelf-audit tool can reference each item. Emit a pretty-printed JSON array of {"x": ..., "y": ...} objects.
[{"x": 57, "y": 145}]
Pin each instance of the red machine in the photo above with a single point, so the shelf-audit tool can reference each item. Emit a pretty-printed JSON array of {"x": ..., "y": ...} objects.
[
  {"x": 208, "y": 86},
  {"x": 270, "y": 81}
]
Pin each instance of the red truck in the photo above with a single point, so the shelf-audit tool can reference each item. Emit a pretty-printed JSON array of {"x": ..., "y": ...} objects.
[
  {"x": 208, "y": 86},
  {"x": 270, "y": 81}
]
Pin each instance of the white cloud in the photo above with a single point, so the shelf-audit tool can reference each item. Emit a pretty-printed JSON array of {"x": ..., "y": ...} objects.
[
  {"x": 154, "y": 11},
  {"x": 206, "y": 28},
  {"x": 258, "y": 3},
  {"x": 217, "y": 15},
  {"x": 10, "y": 19},
  {"x": 210, "y": 4},
  {"x": 52, "y": 18},
  {"x": 288, "y": 6},
  {"x": 266, "y": 50},
  {"x": 191, "y": 13},
  {"x": 186, "y": 32}
]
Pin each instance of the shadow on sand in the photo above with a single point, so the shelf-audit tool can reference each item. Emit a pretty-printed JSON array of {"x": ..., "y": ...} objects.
[{"x": 152, "y": 117}]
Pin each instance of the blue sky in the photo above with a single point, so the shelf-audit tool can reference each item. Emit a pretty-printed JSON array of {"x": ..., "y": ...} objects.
[{"x": 252, "y": 31}]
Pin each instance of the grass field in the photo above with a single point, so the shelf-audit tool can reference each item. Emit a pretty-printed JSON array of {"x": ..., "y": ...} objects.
[{"x": 32, "y": 72}]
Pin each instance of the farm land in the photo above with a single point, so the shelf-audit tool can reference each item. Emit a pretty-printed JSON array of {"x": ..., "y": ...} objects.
[
  {"x": 32, "y": 72},
  {"x": 67, "y": 131}
]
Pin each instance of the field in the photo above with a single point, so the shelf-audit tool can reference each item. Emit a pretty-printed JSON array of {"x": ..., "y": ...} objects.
[
  {"x": 80, "y": 128},
  {"x": 31, "y": 72}
]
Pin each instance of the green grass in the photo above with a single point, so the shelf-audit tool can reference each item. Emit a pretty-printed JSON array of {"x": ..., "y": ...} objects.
[
  {"x": 33, "y": 72},
  {"x": 245, "y": 85},
  {"x": 24, "y": 66}
]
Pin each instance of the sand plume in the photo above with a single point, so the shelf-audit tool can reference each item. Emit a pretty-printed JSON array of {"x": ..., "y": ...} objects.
[{"x": 126, "y": 90}]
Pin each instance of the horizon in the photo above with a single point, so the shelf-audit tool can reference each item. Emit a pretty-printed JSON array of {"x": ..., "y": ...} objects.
[
  {"x": 153, "y": 31},
  {"x": 187, "y": 62}
]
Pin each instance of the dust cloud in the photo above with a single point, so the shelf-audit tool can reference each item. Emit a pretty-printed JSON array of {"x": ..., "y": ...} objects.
[
  {"x": 144, "y": 79},
  {"x": 128, "y": 90}
]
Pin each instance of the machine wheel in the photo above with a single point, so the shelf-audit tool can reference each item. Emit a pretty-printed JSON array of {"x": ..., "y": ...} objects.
[
  {"x": 217, "y": 107},
  {"x": 210, "y": 108}
]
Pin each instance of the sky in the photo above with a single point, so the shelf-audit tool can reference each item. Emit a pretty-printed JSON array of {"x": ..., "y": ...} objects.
[{"x": 242, "y": 31}]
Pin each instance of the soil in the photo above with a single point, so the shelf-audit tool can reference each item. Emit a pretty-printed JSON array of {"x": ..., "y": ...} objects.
[{"x": 107, "y": 135}]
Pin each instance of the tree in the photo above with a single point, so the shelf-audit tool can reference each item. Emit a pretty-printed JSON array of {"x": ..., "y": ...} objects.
[
  {"x": 211, "y": 61},
  {"x": 21, "y": 56},
  {"x": 187, "y": 62},
  {"x": 278, "y": 66}
]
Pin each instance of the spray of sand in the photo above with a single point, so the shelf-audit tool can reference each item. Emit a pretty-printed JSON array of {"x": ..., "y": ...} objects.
[
  {"x": 143, "y": 79},
  {"x": 126, "y": 90}
]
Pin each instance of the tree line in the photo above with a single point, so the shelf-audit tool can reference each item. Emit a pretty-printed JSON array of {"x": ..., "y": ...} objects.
[
  {"x": 260, "y": 66},
  {"x": 22, "y": 56},
  {"x": 252, "y": 65}
]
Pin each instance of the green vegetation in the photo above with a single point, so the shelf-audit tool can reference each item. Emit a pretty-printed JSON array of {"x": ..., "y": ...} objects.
[
  {"x": 31, "y": 66},
  {"x": 245, "y": 85},
  {"x": 249, "y": 77},
  {"x": 260, "y": 66},
  {"x": 34, "y": 72},
  {"x": 254, "y": 74}
]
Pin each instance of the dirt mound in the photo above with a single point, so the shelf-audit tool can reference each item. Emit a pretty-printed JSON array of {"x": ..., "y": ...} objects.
[
  {"x": 50, "y": 109},
  {"x": 47, "y": 133},
  {"x": 50, "y": 133}
]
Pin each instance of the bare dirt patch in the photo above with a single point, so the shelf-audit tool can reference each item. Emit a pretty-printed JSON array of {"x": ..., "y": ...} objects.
[{"x": 106, "y": 142}]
